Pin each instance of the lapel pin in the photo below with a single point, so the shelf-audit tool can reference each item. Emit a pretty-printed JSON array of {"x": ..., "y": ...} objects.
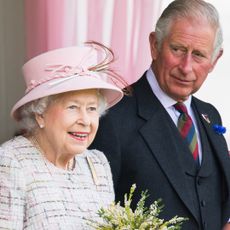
[{"x": 206, "y": 118}]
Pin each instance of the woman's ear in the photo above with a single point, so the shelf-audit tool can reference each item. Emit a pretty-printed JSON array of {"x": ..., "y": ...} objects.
[{"x": 40, "y": 120}]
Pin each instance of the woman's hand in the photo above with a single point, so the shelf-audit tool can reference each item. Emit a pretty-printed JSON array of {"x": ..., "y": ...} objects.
[{"x": 227, "y": 227}]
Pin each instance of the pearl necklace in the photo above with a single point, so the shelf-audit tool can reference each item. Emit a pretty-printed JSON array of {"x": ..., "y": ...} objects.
[{"x": 71, "y": 163}]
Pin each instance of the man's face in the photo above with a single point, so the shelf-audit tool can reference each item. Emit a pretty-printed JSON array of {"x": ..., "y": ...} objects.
[{"x": 184, "y": 59}]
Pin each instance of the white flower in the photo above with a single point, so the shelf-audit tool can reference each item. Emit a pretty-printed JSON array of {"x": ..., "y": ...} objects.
[{"x": 116, "y": 217}]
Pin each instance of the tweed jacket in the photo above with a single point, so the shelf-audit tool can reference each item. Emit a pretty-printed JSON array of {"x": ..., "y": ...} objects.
[{"x": 35, "y": 194}]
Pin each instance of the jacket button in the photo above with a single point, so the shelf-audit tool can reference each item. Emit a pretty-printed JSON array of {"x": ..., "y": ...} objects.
[
  {"x": 204, "y": 225},
  {"x": 203, "y": 203}
]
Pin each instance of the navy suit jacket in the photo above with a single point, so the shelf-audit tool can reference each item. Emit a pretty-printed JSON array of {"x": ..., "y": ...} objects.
[{"x": 143, "y": 146}]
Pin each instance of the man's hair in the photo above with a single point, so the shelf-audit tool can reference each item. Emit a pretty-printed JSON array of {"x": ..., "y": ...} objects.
[{"x": 193, "y": 10}]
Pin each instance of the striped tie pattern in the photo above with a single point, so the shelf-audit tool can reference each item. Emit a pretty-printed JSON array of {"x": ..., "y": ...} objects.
[{"x": 187, "y": 129}]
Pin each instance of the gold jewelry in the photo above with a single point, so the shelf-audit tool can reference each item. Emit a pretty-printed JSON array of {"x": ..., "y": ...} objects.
[
  {"x": 93, "y": 171},
  {"x": 71, "y": 163}
]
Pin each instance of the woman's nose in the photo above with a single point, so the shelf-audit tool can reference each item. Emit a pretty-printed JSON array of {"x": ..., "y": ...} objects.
[{"x": 83, "y": 118}]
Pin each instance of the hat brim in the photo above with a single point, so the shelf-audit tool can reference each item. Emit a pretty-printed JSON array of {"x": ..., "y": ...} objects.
[{"x": 111, "y": 93}]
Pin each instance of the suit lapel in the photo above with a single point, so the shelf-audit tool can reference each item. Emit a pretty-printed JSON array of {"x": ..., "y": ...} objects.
[
  {"x": 206, "y": 168},
  {"x": 217, "y": 141},
  {"x": 159, "y": 126}
]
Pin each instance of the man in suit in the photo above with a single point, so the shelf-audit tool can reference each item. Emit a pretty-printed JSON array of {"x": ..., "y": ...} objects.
[{"x": 140, "y": 135}]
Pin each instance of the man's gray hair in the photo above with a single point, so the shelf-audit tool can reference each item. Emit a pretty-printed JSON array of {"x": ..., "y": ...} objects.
[{"x": 193, "y": 9}]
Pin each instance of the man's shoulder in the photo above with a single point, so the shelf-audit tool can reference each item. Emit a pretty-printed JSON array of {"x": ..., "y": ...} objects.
[
  {"x": 203, "y": 104},
  {"x": 134, "y": 90},
  {"x": 121, "y": 109},
  {"x": 206, "y": 108}
]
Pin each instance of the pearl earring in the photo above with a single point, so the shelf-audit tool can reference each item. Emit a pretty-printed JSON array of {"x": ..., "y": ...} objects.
[{"x": 41, "y": 126}]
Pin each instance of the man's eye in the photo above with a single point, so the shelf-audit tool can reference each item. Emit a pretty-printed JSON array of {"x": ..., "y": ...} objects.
[
  {"x": 198, "y": 54},
  {"x": 174, "y": 48},
  {"x": 177, "y": 50}
]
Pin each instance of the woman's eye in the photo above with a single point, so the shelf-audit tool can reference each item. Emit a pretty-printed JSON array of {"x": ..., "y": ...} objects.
[
  {"x": 72, "y": 107},
  {"x": 92, "y": 108}
]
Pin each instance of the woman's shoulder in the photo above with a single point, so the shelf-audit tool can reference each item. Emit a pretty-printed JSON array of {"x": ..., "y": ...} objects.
[
  {"x": 96, "y": 155},
  {"x": 11, "y": 160},
  {"x": 100, "y": 167},
  {"x": 15, "y": 149},
  {"x": 15, "y": 142}
]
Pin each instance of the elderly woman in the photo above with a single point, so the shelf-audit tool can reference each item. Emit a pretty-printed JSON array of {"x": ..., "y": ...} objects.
[{"x": 48, "y": 178}]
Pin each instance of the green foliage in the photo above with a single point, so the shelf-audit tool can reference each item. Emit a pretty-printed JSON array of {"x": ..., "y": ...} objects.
[{"x": 116, "y": 217}]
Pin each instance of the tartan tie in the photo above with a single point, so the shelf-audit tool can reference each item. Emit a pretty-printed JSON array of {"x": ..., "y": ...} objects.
[{"x": 187, "y": 129}]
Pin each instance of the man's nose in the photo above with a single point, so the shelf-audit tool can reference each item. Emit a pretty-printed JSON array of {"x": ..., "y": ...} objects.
[{"x": 186, "y": 64}]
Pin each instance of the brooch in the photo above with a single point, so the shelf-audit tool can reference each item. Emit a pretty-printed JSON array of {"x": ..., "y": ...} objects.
[{"x": 219, "y": 129}]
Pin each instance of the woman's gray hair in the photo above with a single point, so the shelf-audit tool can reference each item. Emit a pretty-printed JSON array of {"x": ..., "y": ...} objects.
[
  {"x": 27, "y": 112},
  {"x": 197, "y": 9}
]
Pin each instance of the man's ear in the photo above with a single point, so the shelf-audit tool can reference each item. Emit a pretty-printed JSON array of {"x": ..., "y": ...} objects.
[
  {"x": 216, "y": 59},
  {"x": 153, "y": 45}
]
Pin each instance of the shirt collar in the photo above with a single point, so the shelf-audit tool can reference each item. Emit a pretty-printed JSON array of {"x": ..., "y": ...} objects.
[{"x": 165, "y": 100}]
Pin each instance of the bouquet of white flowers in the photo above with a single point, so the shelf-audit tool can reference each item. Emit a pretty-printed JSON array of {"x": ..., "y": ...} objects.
[{"x": 116, "y": 217}]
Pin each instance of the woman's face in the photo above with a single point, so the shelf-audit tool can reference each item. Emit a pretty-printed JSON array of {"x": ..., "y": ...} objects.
[{"x": 70, "y": 122}]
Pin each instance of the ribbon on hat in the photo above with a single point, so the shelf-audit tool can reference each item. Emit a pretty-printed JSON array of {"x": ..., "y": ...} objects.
[
  {"x": 61, "y": 73},
  {"x": 66, "y": 72}
]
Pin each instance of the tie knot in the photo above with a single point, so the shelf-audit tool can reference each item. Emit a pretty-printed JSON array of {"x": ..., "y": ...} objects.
[{"x": 180, "y": 107}]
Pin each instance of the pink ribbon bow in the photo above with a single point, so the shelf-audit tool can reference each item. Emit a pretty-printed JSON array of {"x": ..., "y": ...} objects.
[{"x": 61, "y": 73}]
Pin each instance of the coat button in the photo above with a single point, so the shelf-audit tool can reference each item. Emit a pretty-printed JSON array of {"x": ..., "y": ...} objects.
[
  {"x": 204, "y": 225},
  {"x": 203, "y": 203},
  {"x": 199, "y": 181}
]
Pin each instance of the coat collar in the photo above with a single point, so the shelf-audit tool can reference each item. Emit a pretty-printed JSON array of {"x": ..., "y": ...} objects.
[
  {"x": 217, "y": 141},
  {"x": 165, "y": 153}
]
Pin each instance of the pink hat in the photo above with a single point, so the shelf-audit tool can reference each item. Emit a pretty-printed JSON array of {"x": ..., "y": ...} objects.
[{"x": 68, "y": 69}]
